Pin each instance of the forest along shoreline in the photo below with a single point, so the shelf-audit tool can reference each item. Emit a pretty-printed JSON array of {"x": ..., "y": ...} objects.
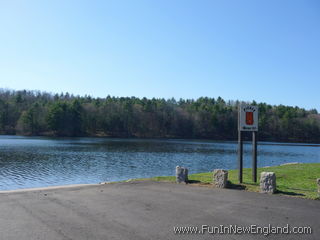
[{"x": 35, "y": 113}]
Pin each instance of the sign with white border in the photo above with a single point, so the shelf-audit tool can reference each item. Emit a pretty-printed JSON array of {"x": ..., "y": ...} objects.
[{"x": 248, "y": 118}]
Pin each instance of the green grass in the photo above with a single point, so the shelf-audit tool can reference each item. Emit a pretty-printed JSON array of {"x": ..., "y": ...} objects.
[{"x": 295, "y": 180}]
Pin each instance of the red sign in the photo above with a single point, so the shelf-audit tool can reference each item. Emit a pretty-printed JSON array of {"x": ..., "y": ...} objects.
[{"x": 249, "y": 118}]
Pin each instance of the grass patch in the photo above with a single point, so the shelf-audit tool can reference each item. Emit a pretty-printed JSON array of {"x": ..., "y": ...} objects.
[{"x": 295, "y": 180}]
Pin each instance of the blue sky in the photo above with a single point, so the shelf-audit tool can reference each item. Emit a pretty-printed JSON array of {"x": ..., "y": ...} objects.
[{"x": 268, "y": 51}]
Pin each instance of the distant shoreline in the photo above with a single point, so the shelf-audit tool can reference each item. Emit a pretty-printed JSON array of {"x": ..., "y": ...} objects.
[{"x": 246, "y": 139}]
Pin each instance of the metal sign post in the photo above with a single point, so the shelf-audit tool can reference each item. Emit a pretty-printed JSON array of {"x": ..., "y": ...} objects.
[
  {"x": 254, "y": 156},
  {"x": 247, "y": 121},
  {"x": 240, "y": 158}
]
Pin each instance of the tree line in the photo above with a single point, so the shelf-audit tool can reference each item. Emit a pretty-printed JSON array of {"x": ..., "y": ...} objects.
[{"x": 41, "y": 113}]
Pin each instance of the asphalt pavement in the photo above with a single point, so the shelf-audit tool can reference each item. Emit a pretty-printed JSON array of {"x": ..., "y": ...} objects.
[{"x": 152, "y": 210}]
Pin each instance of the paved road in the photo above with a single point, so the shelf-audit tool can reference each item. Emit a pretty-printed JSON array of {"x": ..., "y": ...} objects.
[{"x": 147, "y": 210}]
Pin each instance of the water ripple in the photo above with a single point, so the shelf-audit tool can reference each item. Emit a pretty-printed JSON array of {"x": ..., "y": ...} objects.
[{"x": 37, "y": 162}]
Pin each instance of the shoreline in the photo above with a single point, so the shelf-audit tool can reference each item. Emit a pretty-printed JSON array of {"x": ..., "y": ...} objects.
[
  {"x": 299, "y": 173},
  {"x": 22, "y": 190},
  {"x": 165, "y": 138}
]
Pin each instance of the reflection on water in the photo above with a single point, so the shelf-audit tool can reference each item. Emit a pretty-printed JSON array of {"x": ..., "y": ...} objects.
[{"x": 27, "y": 162}]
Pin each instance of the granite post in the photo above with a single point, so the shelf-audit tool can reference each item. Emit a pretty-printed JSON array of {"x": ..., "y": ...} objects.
[
  {"x": 181, "y": 174},
  {"x": 220, "y": 178},
  {"x": 268, "y": 182}
]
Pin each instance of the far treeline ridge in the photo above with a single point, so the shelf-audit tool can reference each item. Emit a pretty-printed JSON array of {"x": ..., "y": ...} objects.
[{"x": 41, "y": 113}]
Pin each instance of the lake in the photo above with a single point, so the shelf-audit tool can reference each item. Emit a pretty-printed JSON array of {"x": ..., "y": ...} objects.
[{"x": 27, "y": 162}]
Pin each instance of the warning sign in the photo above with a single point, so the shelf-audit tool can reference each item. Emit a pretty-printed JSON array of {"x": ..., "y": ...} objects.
[{"x": 248, "y": 118}]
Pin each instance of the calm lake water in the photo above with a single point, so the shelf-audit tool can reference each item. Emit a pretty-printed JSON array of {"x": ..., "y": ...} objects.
[{"x": 27, "y": 162}]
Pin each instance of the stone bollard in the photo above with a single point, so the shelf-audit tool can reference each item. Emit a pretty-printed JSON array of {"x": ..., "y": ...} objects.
[
  {"x": 268, "y": 182},
  {"x": 181, "y": 174},
  {"x": 318, "y": 182},
  {"x": 220, "y": 178}
]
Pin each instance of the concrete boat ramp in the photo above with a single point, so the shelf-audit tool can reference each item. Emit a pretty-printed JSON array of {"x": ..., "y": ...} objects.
[{"x": 149, "y": 210}]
